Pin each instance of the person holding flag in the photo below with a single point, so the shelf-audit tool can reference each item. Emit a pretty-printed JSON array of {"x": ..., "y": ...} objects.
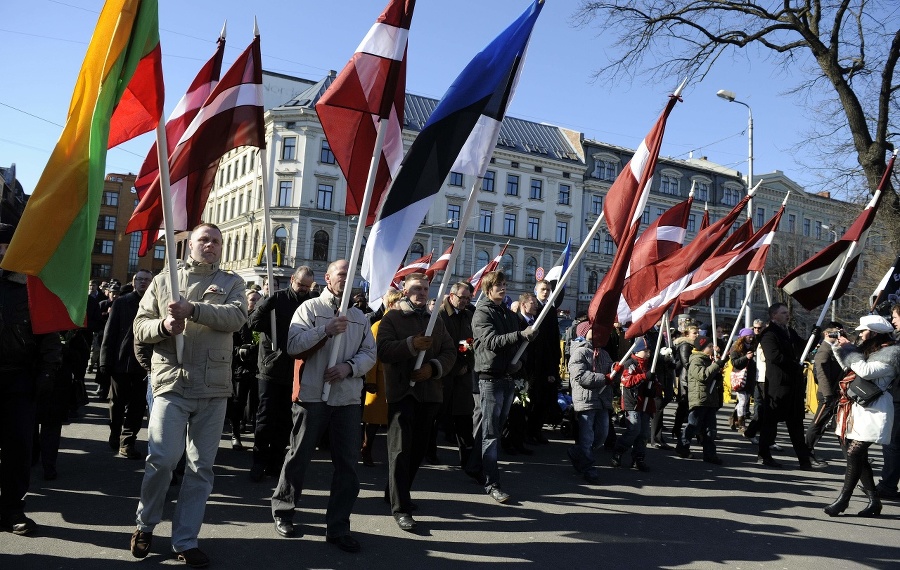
[{"x": 543, "y": 378}]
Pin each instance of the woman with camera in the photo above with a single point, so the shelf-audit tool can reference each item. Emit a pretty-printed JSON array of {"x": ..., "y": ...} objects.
[{"x": 862, "y": 423}]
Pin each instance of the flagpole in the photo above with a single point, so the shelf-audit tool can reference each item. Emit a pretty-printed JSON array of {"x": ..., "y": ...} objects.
[
  {"x": 765, "y": 286},
  {"x": 357, "y": 245},
  {"x": 712, "y": 323},
  {"x": 737, "y": 321},
  {"x": 564, "y": 278},
  {"x": 165, "y": 191},
  {"x": 267, "y": 235},
  {"x": 658, "y": 346},
  {"x": 460, "y": 236}
]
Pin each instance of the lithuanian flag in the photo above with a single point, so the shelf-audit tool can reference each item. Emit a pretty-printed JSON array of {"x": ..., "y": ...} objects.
[{"x": 118, "y": 95}]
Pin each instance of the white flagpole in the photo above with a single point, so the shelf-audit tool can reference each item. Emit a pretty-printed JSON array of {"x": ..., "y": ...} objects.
[
  {"x": 765, "y": 286},
  {"x": 267, "y": 235},
  {"x": 564, "y": 278},
  {"x": 357, "y": 245},
  {"x": 165, "y": 191},
  {"x": 712, "y": 322},
  {"x": 658, "y": 345},
  {"x": 737, "y": 321}
]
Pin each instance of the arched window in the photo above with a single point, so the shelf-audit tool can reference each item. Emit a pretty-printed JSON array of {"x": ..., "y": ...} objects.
[
  {"x": 228, "y": 250},
  {"x": 244, "y": 245},
  {"x": 722, "y": 297},
  {"x": 507, "y": 265},
  {"x": 320, "y": 246},
  {"x": 481, "y": 260},
  {"x": 255, "y": 250},
  {"x": 732, "y": 299},
  {"x": 593, "y": 282},
  {"x": 416, "y": 250},
  {"x": 530, "y": 268},
  {"x": 281, "y": 241}
]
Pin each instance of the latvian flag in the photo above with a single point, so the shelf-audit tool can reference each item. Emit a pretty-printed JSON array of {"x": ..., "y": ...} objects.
[
  {"x": 440, "y": 264},
  {"x": 460, "y": 135},
  {"x": 663, "y": 237},
  {"x": 232, "y": 116},
  {"x": 492, "y": 265},
  {"x": 811, "y": 282},
  {"x": 418, "y": 266},
  {"x": 370, "y": 89}
]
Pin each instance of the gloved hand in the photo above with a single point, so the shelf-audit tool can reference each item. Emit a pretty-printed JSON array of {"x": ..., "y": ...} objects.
[
  {"x": 423, "y": 373},
  {"x": 421, "y": 342},
  {"x": 529, "y": 333},
  {"x": 514, "y": 368},
  {"x": 721, "y": 362},
  {"x": 616, "y": 373}
]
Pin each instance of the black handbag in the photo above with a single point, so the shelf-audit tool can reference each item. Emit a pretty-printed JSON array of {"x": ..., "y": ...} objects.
[{"x": 863, "y": 392}]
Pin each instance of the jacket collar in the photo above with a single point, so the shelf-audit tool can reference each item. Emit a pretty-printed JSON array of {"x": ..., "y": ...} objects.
[{"x": 200, "y": 268}]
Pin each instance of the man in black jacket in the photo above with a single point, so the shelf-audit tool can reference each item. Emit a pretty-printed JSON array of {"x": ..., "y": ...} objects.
[
  {"x": 276, "y": 373},
  {"x": 128, "y": 378},
  {"x": 543, "y": 379}
]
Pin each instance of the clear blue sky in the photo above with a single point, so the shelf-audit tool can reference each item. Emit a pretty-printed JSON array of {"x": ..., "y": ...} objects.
[{"x": 42, "y": 44}]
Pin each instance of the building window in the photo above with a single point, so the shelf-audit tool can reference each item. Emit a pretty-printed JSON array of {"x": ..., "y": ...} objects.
[
  {"x": 485, "y": 219},
  {"x": 159, "y": 252},
  {"x": 818, "y": 229},
  {"x": 481, "y": 260},
  {"x": 101, "y": 270},
  {"x": 507, "y": 265},
  {"x": 228, "y": 174},
  {"x": 233, "y": 207},
  {"x": 604, "y": 170},
  {"x": 722, "y": 298},
  {"x": 565, "y": 192},
  {"x": 645, "y": 217},
  {"x": 692, "y": 223},
  {"x": 760, "y": 217},
  {"x": 702, "y": 191},
  {"x": 660, "y": 212},
  {"x": 609, "y": 246},
  {"x": 284, "y": 193},
  {"x": 792, "y": 223},
  {"x": 595, "y": 244},
  {"x": 669, "y": 185},
  {"x": 806, "y": 226},
  {"x": 279, "y": 239},
  {"x": 320, "y": 246},
  {"x": 324, "y": 195},
  {"x": 593, "y": 281},
  {"x": 509, "y": 224},
  {"x": 512, "y": 184},
  {"x": 538, "y": 168},
  {"x": 133, "y": 248},
  {"x": 110, "y": 198},
  {"x": 537, "y": 189},
  {"x": 107, "y": 223},
  {"x": 221, "y": 177},
  {"x": 416, "y": 250},
  {"x": 453, "y": 214},
  {"x": 732, "y": 299},
  {"x": 531, "y": 266},
  {"x": 534, "y": 228},
  {"x": 596, "y": 205},
  {"x": 103, "y": 246},
  {"x": 730, "y": 197},
  {"x": 487, "y": 183},
  {"x": 325, "y": 154},
  {"x": 244, "y": 246},
  {"x": 456, "y": 179},
  {"x": 562, "y": 232},
  {"x": 289, "y": 148},
  {"x": 244, "y": 165},
  {"x": 252, "y": 156}
]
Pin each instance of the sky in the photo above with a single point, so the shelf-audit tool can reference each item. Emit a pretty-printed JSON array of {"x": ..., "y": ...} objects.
[{"x": 42, "y": 45}]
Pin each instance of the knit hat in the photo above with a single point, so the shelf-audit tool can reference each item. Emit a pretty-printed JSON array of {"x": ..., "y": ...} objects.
[
  {"x": 640, "y": 344},
  {"x": 746, "y": 332},
  {"x": 701, "y": 342},
  {"x": 582, "y": 329}
]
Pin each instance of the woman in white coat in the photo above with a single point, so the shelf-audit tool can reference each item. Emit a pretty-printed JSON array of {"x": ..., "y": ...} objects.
[{"x": 877, "y": 358}]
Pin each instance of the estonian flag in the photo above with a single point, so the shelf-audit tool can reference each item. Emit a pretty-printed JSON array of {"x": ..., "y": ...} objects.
[
  {"x": 559, "y": 268},
  {"x": 460, "y": 135}
]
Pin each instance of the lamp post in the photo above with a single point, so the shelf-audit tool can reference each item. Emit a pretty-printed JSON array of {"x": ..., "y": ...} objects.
[
  {"x": 731, "y": 98},
  {"x": 834, "y": 240}
]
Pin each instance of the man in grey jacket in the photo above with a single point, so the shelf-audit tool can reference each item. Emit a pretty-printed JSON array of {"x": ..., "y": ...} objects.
[
  {"x": 314, "y": 329},
  {"x": 190, "y": 393}
]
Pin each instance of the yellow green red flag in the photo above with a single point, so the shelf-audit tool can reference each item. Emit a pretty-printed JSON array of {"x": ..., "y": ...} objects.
[{"x": 118, "y": 95}]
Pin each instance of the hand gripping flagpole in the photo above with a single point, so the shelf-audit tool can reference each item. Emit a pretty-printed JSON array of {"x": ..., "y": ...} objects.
[
  {"x": 550, "y": 305},
  {"x": 165, "y": 191},
  {"x": 460, "y": 236}
]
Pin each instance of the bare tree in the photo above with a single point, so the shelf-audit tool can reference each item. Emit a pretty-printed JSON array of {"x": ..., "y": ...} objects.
[{"x": 845, "y": 50}]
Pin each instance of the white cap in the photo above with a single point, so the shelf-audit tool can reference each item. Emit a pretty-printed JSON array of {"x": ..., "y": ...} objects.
[{"x": 874, "y": 323}]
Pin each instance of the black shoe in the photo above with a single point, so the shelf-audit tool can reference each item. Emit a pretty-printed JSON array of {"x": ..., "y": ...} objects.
[
  {"x": 193, "y": 557},
  {"x": 714, "y": 459},
  {"x": 114, "y": 442},
  {"x": 346, "y": 543},
  {"x": 18, "y": 524},
  {"x": 236, "y": 442},
  {"x": 768, "y": 462},
  {"x": 129, "y": 452},
  {"x": 257, "y": 472},
  {"x": 886, "y": 493},
  {"x": 405, "y": 521},
  {"x": 524, "y": 450},
  {"x": 140, "y": 543},
  {"x": 641, "y": 466},
  {"x": 812, "y": 464},
  {"x": 285, "y": 528},
  {"x": 683, "y": 451},
  {"x": 616, "y": 460},
  {"x": 498, "y": 495},
  {"x": 663, "y": 445}
]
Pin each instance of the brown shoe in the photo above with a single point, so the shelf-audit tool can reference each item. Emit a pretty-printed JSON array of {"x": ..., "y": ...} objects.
[
  {"x": 140, "y": 543},
  {"x": 193, "y": 557}
]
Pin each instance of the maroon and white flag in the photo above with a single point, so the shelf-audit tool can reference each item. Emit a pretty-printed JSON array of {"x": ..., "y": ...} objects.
[
  {"x": 623, "y": 207},
  {"x": 811, "y": 281},
  {"x": 663, "y": 237},
  {"x": 440, "y": 264},
  {"x": 418, "y": 266},
  {"x": 492, "y": 265},
  {"x": 704, "y": 223},
  {"x": 231, "y": 116},
  {"x": 370, "y": 88}
]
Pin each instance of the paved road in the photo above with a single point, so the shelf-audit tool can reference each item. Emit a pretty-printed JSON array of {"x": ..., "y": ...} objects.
[{"x": 683, "y": 514}]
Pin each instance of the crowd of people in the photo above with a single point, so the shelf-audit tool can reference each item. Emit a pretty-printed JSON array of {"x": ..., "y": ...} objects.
[{"x": 490, "y": 375}]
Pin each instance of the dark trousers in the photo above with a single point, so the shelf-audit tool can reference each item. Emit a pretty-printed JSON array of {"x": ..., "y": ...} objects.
[
  {"x": 273, "y": 423},
  {"x": 824, "y": 414},
  {"x": 541, "y": 394},
  {"x": 656, "y": 424},
  {"x": 18, "y": 407},
  {"x": 465, "y": 441},
  {"x": 47, "y": 435},
  {"x": 311, "y": 420},
  {"x": 473, "y": 465},
  {"x": 238, "y": 403},
  {"x": 127, "y": 407},
  {"x": 409, "y": 425},
  {"x": 793, "y": 420},
  {"x": 701, "y": 420},
  {"x": 890, "y": 471},
  {"x": 759, "y": 411},
  {"x": 681, "y": 414}
]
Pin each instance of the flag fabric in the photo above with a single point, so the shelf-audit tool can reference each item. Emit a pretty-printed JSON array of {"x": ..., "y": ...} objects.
[
  {"x": 181, "y": 117},
  {"x": 492, "y": 265},
  {"x": 652, "y": 290},
  {"x": 118, "y": 95},
  {"x": 704, "y": 223},
  {"x": 811, "y": 281},
  {"x": 418, "y": 266},
  {"x": 738, "y": 237},
  {"x": 231, "y": 116},
  {"x": 888, "y": 291},
  {"x": 663, "y": 237},
  {"x": 750, "y": 255},
  {"x": 440, "y": 264},
  {"x": 562, "y": 264},
  {"x": 460, "y": 135},
  {"x": 623, "y": 207},
  {"x": 370, "y": 88}
]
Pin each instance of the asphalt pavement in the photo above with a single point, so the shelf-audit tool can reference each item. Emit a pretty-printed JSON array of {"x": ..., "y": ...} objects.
[{"x": 684, "y": 513}]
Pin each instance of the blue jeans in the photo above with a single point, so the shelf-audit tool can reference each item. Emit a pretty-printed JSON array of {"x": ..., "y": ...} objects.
[
  {"x": 176, "y": 422},
  {"x": 702, "y": 420},
  {"x": 496, "y": 398},
  {"x": 636, "y": 434},
  {"x": 593, "y": 426}
]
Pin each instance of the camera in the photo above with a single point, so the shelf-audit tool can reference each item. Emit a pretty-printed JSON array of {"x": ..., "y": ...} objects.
[{"x": 835, "y": 334}]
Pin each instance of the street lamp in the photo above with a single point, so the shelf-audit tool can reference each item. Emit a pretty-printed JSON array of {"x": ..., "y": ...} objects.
[
  {"x": 731, "y": 98},
  {"x": 834, "y": 240}
]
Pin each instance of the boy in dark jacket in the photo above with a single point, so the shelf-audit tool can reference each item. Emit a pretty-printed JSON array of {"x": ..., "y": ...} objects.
[
  {"x": 705, "y": 396},
  {"x": 639, "y": 392}
]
